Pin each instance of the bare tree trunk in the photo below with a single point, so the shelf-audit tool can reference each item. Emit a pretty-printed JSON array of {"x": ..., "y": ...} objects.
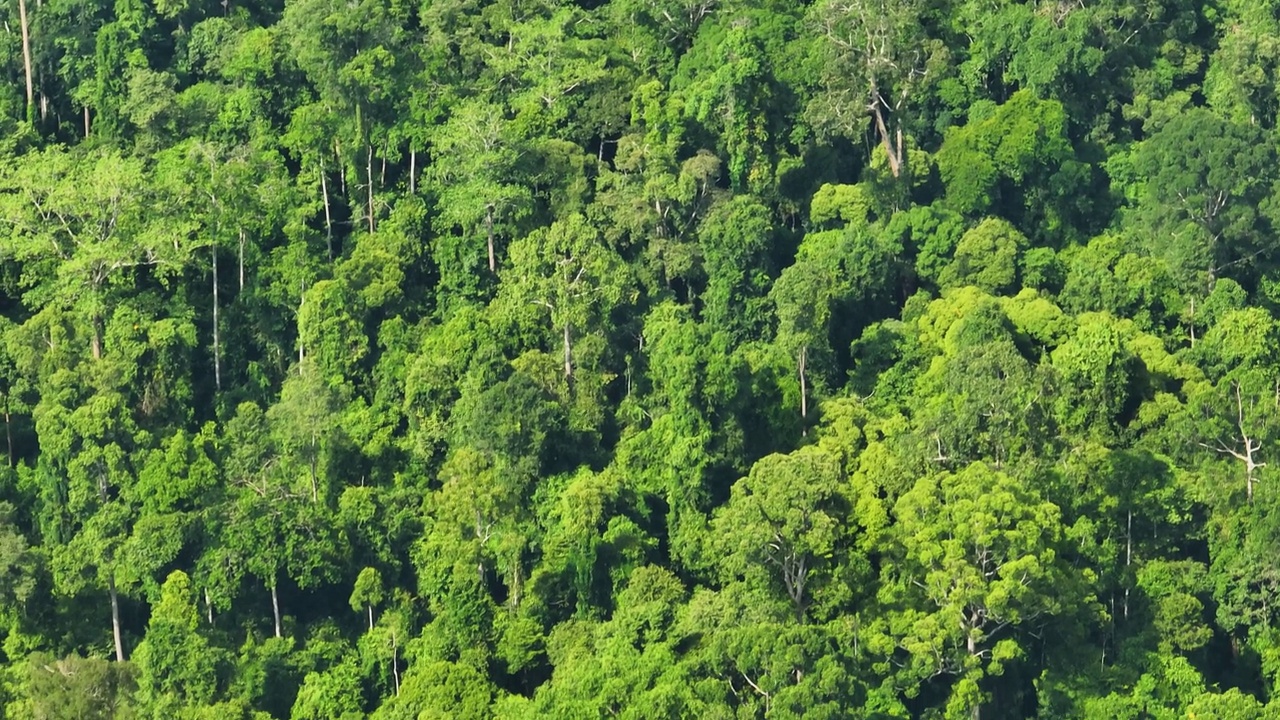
[
  {"x": 972, "y": 646},
  {"x": 26, "y": 58},
  {"x": 242, "y": 258},
  {"x": 302, "y": 301},
  {"x": 217, "y": 356},
  {"x": 568, "y": 353},
  {"x": 208, "y": 605},
  {"x": 369, "y": 174},
  {"x": 413, "y": 169},
  {"x": 86, "y": 122},
  {"x": 488, "y": 226},
  {"x": 395, "y": 661},
  {"x": 315, "y": 487},
  {"x": 342, "y": 167},
  {"x": 370, "y": 617},
  {"x": 275, "y": 608},
  {"x": 328, "y": 217},
  {"x": 115, "y": 617},
  {"x": 1128, "y": 560},
  {"x": 804, "y": 391},
  {"x": 895, "y": 157},
  {"x": 8, "y": 428},
  {"x": 95, "y": 342}
]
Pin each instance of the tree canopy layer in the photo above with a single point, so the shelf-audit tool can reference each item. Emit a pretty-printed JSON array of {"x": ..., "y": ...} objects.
[{"x": 503, "y": 359}]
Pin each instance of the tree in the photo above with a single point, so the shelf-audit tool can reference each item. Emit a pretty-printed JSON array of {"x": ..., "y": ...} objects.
[
  {"x": 176, "y": 666},
  {"x": 876, "y": 62},
  {"x": 1208, "y": 186},
  {"x": 785, "y": 521},
  {"x": 568, "y": 270},
  {"x": 367, "y": 592},
  {"x": 477, "y": 179},
  {"x": 978, "y": 565},
  {"x": 986, "y": 257},
  {"x": 735, "y": 240}
]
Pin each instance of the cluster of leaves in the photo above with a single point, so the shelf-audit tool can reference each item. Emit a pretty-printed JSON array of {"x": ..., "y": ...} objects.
[{"x": 641, "y": 358}]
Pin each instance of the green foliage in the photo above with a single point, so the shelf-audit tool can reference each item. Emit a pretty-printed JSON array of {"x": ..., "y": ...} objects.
[{"x": 639, "y": 358}]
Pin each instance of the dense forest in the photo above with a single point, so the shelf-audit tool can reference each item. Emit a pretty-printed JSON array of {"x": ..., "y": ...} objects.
[{"x": 712, "y": 359}]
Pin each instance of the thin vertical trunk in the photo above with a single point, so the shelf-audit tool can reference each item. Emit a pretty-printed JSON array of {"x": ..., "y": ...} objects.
[
  {"x": 804, "y": 391},
  {"x": 275, "y": 609},
  {"x": 568, "y": 353},
  {"x": 395, "y": 662},
  {"x": 208, "y": 604},
  {"x": 488, "y": 226},
  {"x": 328, "y": 217},
  {"x": 315, "y": 487},
  {"x": 302, "y": 300},
  {"x": 972, "y": 646},
  {"x": 115, "y": 617},
  {"x": 95, "y": 342},
  {"x": 26, "y": 58},
  {"x": 370, "y": 617},
  {"x": 8, "y": 429},
  {"x": 413, "y": 169},
  {"x": 1128, "y": 559},
  {"x": 217, "y": 356},
  {"x": 368, "y": 169},
  {"x": 241, "y": 260},
  {"x": 86, "y": 122},
  {"x": 382, "y": 174},
  {"x": 342, "y": 167}
]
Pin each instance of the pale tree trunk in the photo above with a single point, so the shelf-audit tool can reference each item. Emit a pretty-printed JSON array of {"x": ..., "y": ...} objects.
[
  {"x": 315, "y": 487},
  {"x": 804, "y": 391},
  {"x": 241, "y": 259},
  {"x": 370, "y": 617},
  {"x": 115, "y": 617},
  {"x": 86, "y": 122},
  {"x": 342, "y": 167},
  {"x": 208, "y": 605},
  {"x": 1128, "y": 560},
  {"x": 568, "y": 353},
  {"x": 488, "y": 227},
  {"x": 517, "y": 582},
  {"x": 413, "y": 169},
  {"x": 395, "y": 660},
  {"x": 328, "y": 217},
  {"x": 26, "y": 57},
  {"x": 275, "y": 609},
  {"x": 302, "y": 301},
  {"x": 95, "y": 342},
  {"x": 369, "y": 175},
  {"x": 217, "y": 357},
  {"x": 972, "y": 646},
  {"x": 1251, "y": 446},
  {"x": 886, "y": 140},
  {"x": 8, "y": 428}
]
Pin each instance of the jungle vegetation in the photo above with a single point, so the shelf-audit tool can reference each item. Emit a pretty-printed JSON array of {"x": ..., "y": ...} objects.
[{"x": 717, "y": 359}]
